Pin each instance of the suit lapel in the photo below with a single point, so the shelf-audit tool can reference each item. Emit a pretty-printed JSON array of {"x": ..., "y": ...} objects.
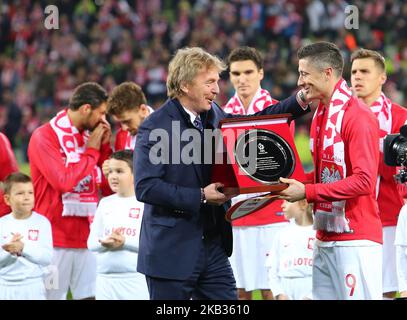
[
  {"x": 177, "y": 112},
  {"x": 213, "y": 116},
  {"x": 211, "y": 121}
]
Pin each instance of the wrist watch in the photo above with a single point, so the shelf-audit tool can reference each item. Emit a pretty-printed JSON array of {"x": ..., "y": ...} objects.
[{"x": 203, "y": 198}]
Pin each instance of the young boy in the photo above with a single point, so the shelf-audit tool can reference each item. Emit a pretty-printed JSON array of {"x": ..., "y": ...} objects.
[
  {"x": 26, "y": 243},
  {"x": 290, "y": 259},
  {"x": 114, "y": 235}
]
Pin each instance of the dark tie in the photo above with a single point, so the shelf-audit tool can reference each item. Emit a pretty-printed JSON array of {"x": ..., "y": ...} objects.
[
  {"x": 198, "y": 123},
  {"x": 209, "y": 220}
]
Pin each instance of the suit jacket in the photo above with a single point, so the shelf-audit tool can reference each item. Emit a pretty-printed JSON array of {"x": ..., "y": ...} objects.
[{"x": 172, "y": 226}]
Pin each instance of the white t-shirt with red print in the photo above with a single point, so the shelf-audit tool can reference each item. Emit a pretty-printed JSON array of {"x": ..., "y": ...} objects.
[
  {"x": 117, "y": 213},
  {"x": 37, "y": 252}
]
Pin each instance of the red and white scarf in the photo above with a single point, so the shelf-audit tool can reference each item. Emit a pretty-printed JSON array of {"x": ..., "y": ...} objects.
[
  {"x": 382, "y": 110},
  {"x": 260, "y": 101},
  {"x": 130, "y": 142},
  {"x": 82, "y": 200},
  {"x": 329, "y": 153}
]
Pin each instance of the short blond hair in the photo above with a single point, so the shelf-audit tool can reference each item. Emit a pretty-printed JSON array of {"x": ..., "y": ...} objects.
[
  {"x": 366, "y": 53},
  {"x": 185, "y": 66}
]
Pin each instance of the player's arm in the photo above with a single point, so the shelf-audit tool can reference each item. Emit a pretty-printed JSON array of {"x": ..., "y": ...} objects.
[
  {"x": 105, "y": 153},
  {"x": 6, "y": 258},
  {"x": 292, "y": 104},
  {"x": 8, "y": 162},
  {"x": 40, "y": 252},
  {"x": 96, "y": 231},
  {"x": 362, "y": 142},
  {"x": 44, "y": 153},
  {"x": 309, "y": 176}
]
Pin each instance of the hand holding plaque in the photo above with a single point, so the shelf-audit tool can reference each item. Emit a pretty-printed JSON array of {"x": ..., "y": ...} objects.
[{"x": 257, "y": 151}]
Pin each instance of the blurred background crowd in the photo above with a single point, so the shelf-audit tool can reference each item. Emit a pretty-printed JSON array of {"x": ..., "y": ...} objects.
[{"x": 111, "y": 41}]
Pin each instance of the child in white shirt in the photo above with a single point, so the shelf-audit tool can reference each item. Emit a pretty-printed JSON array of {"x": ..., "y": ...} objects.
[
  {"x": 114, "y": 235},
  {"x": 26, "y": 243},
  {"x": 290, "y": 258}
]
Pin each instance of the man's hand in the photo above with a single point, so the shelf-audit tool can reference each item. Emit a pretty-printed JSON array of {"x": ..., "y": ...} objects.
[
  {"x": 214, "y": 196},
  {"x": 304, "y": 93},
  {"x": 107, "y": 135},
  {"x": 294, "y": 192},
  {"x": 303, "y": 99},
  {"x": 95, "y": 138}
]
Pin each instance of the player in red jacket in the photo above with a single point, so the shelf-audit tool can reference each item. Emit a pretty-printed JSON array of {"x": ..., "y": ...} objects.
[
  {"x": 8, "y": 164},
  {"x": 345, "y": 147},
  {"x": 368, "y": 77},
  {"x": 65, "y": 158}
]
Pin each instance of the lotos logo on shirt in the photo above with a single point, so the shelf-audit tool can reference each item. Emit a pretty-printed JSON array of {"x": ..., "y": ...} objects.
[
  {"x": 33, "y": 235},
  {"x": 134, "y": 213}
]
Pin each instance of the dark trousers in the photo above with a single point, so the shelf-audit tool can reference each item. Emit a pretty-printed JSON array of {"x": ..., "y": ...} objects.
[{"x": 212, "y": 278}]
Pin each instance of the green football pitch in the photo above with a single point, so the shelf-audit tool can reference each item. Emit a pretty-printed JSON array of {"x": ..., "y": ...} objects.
[{"x": 25, "y": 168}]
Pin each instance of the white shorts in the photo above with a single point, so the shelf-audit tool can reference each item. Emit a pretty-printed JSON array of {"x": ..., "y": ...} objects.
[
  {"x": 251, "y": 246},
  {"x": 297, "y": 288},
  {"x": 73, "y": 269},
  {"x": 401, "y": 254},
  {"x": 33, "y": 289},
  {"x": 389, "y": 260},
  {"x": 130, "y": 286},
  {"x": 347, "y": 273}
]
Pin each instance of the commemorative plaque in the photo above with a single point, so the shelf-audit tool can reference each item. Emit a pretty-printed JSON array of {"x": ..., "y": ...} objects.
[
  {"x": 256, "y": 152},
  {"x": 274, "y": 157}
]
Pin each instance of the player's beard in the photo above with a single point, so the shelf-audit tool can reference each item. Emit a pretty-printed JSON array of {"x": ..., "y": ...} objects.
[{"x": 88, "y": 124}]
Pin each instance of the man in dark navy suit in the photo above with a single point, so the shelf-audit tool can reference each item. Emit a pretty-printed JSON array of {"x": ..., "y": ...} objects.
[{"x": 185, "y": 240}]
